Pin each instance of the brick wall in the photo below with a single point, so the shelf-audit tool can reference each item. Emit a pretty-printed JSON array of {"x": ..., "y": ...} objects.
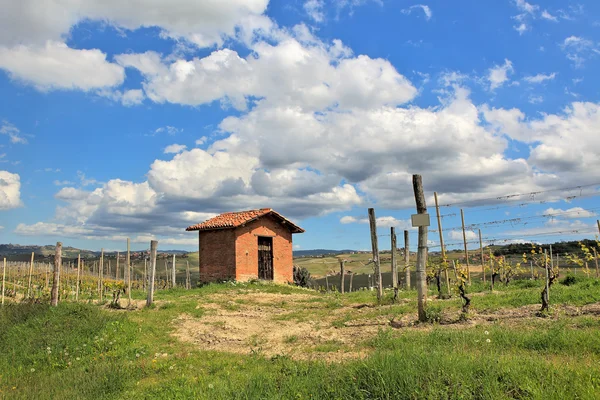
[
  {"x": 217, "y": 255},
  {"x": 246, "y": 250}
]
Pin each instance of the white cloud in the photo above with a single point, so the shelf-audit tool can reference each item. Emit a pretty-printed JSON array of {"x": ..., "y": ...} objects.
[
  {"x": 62, "y": 183},
  {"x": 536, "y": 99},
  {"x": 56, "y": 66},
  {"x": 526, "y": 7},
  {"x": 498, "y": 75},
  {"x": 540, "y": 78},
  {"x": 14, "y": 134},
  {"x": 175, "y": 148},
  {"x": 201, "y": 141},
  {"x": 426, "y": 10},
  {"x": 548, "y": 16},
  {"x": 169, "y": 130},
  {"x": 579, "y": 49},
  {"x": 521, "y": 28},
  {"x": 458, "y": 235},
  {"x": 571, "y": 213},
  {"x": 382, "y": 222},
  {"x": 314, "y": 9},
  {"x": 10, "y": 190}
]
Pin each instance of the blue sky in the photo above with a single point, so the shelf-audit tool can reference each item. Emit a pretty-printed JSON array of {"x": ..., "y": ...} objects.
[{"x": 138, "y": 118}]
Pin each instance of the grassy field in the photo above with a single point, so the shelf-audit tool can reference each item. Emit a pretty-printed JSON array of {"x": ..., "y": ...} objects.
[{"x": 255, "y": 340}]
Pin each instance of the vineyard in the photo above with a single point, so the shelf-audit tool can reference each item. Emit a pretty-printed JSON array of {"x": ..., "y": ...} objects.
[{"x": 515, "y": 321}]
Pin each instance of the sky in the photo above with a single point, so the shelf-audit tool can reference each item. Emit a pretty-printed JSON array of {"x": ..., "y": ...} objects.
[{"x": 138, "y": 118}]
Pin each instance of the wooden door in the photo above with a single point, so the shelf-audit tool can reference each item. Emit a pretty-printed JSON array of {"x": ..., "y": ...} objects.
[{"x": 265, "y": 258}]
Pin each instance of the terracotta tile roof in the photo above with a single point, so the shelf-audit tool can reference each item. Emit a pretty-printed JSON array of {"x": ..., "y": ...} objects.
[{"x": 235, "y": 219}]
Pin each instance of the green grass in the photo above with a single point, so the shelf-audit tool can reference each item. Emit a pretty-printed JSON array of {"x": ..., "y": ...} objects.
[{"x": 85, "y": 352}]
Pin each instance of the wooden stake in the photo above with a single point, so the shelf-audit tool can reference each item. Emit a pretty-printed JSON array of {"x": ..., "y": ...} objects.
[
  {"x": 462, "y": 216},
  {"x": 394, "y": 265},
  {"x": 547, "y": 276},
  {"x": 351, "y": 278},
  {"x": 327, "y": 282},
  {"x": 422, "y": 249},
  {"x": 481, "y": 250},
  {"x": 30, "y": 274},
  {"x": 167, "y": 272},
  {"x": 373, "y": 226},
  {"x": 407, "y": 259},
  {"x": 188, "y": 283},
  {"x": 117, "y": 267},
  {"x": 441, "y": 232},
  {"x": 153, "y": 247},
  {"x": 145, "y": 274},
  {"x": 596, "y": 259},
  {"x": 491, "y": 271},
  {"x": 56, "y": 277},
  {"x": 4, "y": 279},
  {"x": 78, "y": 275},
  {"x": 342, "y": 272},
  {"x": 128, "y": 262},
  {"x": 101, "y": 274},
  {"x": 174, "y": 276}
]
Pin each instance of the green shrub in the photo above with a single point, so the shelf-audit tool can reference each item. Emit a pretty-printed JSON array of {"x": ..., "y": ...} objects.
[
  {"x": 302, "y": 277},
  {"x": 569, "y": 280}
]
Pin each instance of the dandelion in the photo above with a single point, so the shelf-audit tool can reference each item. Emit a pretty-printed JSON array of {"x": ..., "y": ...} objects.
[
  {"x": 171, "y": 367},
  {"x": 486, "y": 332},
  {"x": 488, "y": 340},
  {"x": 137, "y": 355},
  {"x": 154, "y": 360}
]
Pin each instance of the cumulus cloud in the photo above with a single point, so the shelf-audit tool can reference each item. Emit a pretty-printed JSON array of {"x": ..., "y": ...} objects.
[
  {"x": 56, "y": 66},
  {"x": 175, "y": 148},
  {"x": 498, "y": 75},
  {"x": 314, "y": 9},
  {"x": 579, "y": 49},
  {"x": 382, "y": 222},
  {"x": 571, "y": 213},
  {"x": 10, "y": 190},
  {"x": 457, "y": 235}
]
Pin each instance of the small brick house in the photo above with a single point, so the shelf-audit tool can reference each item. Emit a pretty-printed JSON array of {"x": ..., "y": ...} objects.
[{"x": 246, "y": 245}]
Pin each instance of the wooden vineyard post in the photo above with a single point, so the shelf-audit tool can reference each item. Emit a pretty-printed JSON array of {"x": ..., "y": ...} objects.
[
  {"x": 56, "y": 276},
  {"x": 145, "y": 274},
  {"x": 407, "y": 259},
  {"x": 547, "y": 278},
  {"x": 374, "y": 245},
  {"x": 150, "y": 298},
  {"x": 342, "y": 272},
  {"x": 167, "y": 273},
  {"x": 188, "y": 283},
  {"x": 128, "y": 262},
  {"x": 78, "y": 276},
  {"x": 3, "y": 279},
  {"x": 47, "y": 271},
  {"x": 117, "y": 267},
  {"x": 598, "y": 222},
  {"x": 422, "y": 249},
  {"x": 174, "y": 276},
  {"x": 101, "y": 274},
  {"x": 393, "y": 261},
  {"x": 441, "y": 232},
  {"x": 596, "y": 259},
  {"x": 29, "y": 292},
  {"x": 351, "y": 279},
  {"x": 326, "y": 282},
  {"x": 481, "y": 251},
  {"x": 462, "y": 216}
]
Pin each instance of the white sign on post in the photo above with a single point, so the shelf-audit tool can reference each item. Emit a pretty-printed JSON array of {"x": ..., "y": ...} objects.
[{"x": 420, "y": 220}]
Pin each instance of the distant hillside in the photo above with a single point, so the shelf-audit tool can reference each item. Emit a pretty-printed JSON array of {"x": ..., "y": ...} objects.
[
  {"x": 16, "y": 252},
  {"x": 320, "y": 252}
]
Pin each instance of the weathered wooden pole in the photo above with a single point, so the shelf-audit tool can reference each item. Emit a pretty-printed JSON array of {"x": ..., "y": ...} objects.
[
  {"x": 78, "y": 275},
  {"x": 374, "y": 245},
  {"x": 441, "y": 232},
  {"x": 174, "y": 276},
  {"x": 596, "y": 259},
  {"x": 3, "y": 279},
  {"x": 422, "y": 249},
  {"x": 117, "y": 267},
  {"x": 393, "y": 261},
  {"x": 56, "y": 277},
  {"x": 188, "y": 283},
  {"x": 598, "y": 222},
  {"x": 145, "y": 274},
  {"x": 407, "y": 259},
  {"x": 342, "y": 273},
  {"x": 150, "y": 298},
  {"x": 167, "y": 271},
  {"x": 482, "y": 262},
  {"x": 462, "y": 216},
  {"x": 128, "y": 261},
  {"x": 547, "y": 277},
  {"x": 30, "y": 274},
  {"x": 351, "y": 279},
  {"x": 101, "y": 274}
]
